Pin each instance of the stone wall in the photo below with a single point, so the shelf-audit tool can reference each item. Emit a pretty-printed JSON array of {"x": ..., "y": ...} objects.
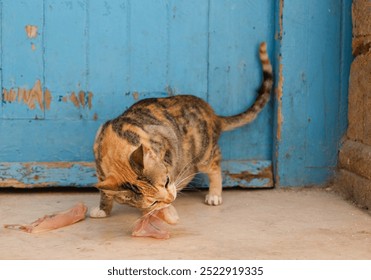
[{"x": 354, "y": 176}]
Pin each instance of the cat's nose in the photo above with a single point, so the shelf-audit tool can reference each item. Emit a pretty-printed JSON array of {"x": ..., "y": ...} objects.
[
  {"x": 169, "y": 199},
  {"x": 166, "y": 196}
]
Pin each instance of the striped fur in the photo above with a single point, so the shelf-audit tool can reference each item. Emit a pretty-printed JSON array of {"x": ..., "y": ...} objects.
[
  {"x": 154, "y": 149},
  {"x": 229, "y": 123}
]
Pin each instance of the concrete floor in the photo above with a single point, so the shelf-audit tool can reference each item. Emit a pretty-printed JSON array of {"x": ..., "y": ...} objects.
[{"x": 260, "y": 224}]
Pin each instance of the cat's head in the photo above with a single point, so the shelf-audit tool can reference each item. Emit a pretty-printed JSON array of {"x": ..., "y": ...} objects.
[{"x": 144, "y": 181}]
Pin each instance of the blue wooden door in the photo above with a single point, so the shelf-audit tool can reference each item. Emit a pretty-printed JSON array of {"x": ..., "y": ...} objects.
[{"x": 68, "y": 66}]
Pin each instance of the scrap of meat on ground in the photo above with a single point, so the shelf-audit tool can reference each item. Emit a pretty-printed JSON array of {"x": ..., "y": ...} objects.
[
  {"x": 152, "y": 224},
  {"x": 54, "y": 221}
]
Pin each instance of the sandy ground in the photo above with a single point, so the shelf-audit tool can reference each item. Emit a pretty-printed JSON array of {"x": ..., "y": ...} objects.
[{"x": 251, "y": 224}]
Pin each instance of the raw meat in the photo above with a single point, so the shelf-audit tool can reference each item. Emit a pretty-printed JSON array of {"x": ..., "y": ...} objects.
[
  {"x": 54, "y": 221},
  {"x": 151, "y": 224}
]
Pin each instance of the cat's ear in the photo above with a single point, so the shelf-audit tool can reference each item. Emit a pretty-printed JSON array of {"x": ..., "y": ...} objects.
[
  {"x": 109, "y": 183},
  {"x": 140, "y": 158},
  {"x": 136, "y": 160}
]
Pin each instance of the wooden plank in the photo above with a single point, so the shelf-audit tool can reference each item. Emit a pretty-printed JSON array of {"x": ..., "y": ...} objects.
[
  {"x": 252, "y": 174},
  {"x": 149, "y": 48},
  {"x": 44, "y": 141},
  {"x": 321, "y": 82},
  {"x": 1, "y": 59},
  {"x": 255, "y": 174},
  {"x": 235, "y": 72},
  {"x": 188, "y": 47},
  {"x": 109, "y": 57},
  {"x": 65, "y": 58},
  {"x": 22, "y": 59},
  {"x": 311, "y": 60},
  {"x": 46, "y": 174}
]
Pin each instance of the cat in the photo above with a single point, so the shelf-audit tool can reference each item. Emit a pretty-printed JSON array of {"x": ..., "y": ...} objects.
[{"x": 145, "y": 156}]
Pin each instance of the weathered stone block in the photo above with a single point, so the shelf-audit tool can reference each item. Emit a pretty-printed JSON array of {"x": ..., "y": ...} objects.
[
  {"x": 357, "y": 86},
  {"x": 361, "y": 15},
  {"x": 353, "y": 180},
  {"x": 356, "y": 157},
  {"x": 354, "y": 187},
  {"x": 359, "y": 112},
  {"x": 361, "y": 45}
]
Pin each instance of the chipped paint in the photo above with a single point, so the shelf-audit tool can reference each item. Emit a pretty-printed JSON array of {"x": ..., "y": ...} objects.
[
  {"x": 280, "y": 20},
  {"x": 30, "y": 97},
  {"x": 278, "y": 94},
  {"x": 9, "y": 95},
  {"x": 90, "y": 99},
  {"x": 57, "y": 164},
  {"x": 18, "y": 184},
  {"x": 256, "y": 174},
  {"x": 279, "y": 122},
  {"x": 278, "y": 90},
  {"x": 80, "y": 100},
  {"x": 54, "y": 174},
  {"x": 170, "y": 91},
  {"x": 46, "y": 174},
  {"x": 136, "y": 95},
  {"x": 73, "y": 98},
  {"x": 248, "y": 176},
  {"x": 37, "y": 97},
  {"x": 47, "y": 98},
  {"x": 31, "y": 31}
]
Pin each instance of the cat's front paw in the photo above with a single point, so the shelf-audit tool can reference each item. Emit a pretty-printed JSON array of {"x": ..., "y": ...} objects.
[
  {"x": 97, "y": 213},
  {"x": 213, "y": 199}
]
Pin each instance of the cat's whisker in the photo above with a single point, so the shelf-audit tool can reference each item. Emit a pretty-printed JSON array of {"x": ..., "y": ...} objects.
[
  {"x": 177, "y": 184},
  {"x": 193, "y": 187},
  {"x": 181, "y": 179},
  {"x": 185, "y": 168},
  {"x": 178, "y": 179},
  {"x": 180, "y": 193},
  {"x": 145, "y": 216},
  {"x": 185, "y": 191},
  {"x": 197, "y": 180}
]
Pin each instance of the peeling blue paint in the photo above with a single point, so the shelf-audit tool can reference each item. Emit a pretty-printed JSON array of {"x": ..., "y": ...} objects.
[
  {"x": 26, "y": 175},
  {"x": 315, "y": 56},
  {"x": 52, "y": 174},
  {"x": 201, "y": 47}
]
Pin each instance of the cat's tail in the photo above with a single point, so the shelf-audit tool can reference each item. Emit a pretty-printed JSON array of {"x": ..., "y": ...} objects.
[{"x": 232, "y": 122}]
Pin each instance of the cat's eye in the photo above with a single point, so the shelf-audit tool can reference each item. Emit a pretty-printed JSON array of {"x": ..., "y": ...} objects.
[
  {"x": 167, "y": 182},
  {"x": 154, "y": 203}
]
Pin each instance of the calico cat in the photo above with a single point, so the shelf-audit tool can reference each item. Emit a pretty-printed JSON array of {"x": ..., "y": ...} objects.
[{"x": 145, "y": 156}]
